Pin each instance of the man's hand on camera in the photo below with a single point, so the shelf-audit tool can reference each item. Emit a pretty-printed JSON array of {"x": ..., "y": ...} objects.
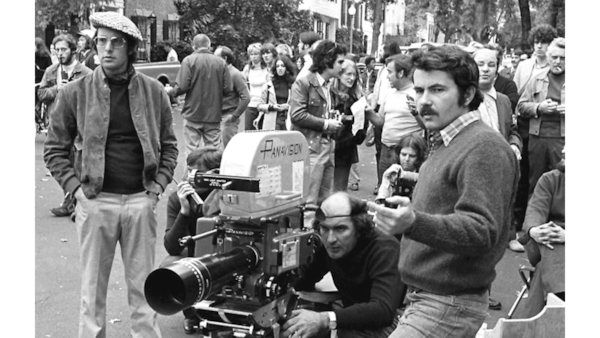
[
  {"x": 184, "y": 189},
  {"x": 305, "y": 324},
  {"x": 333, "y": 126}
]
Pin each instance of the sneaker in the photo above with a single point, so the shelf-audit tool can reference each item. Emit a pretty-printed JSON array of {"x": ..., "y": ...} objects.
[
  {"x": 494, "y": 304},
  {"x": 515, "y": 246},
  {"x": 353, "y": 187}
]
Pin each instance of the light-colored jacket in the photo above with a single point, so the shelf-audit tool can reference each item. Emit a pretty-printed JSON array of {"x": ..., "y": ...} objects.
[{"x": 535, "y": 92}]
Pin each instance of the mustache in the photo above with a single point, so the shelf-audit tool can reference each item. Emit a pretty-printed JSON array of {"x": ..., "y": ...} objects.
[{"x": 428, "y": 110}]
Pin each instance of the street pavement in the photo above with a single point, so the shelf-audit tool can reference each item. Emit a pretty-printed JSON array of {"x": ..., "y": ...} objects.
[{"x": 57, "y": 271}]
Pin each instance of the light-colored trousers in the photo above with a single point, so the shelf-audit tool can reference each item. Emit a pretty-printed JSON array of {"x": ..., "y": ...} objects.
[
  {"x": 322, "y": 165},
  {"x": 197, "y": 135},
  {"x": 102, "y": 222}
]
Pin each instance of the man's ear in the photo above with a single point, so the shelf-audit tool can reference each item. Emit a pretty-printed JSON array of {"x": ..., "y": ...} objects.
[{"x": 469, "y": 95}]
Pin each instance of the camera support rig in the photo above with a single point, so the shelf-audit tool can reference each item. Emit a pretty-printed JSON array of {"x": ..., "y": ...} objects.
[{"x": 250, "y": 253}]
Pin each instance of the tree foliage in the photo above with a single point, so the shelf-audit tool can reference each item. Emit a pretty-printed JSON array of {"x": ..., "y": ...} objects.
[
  {"x": 342, "y": 36},
  {"x": 376, "y": 8},
  {"x": 69, "y": 15},
  {"x": 239, "y": 23}
]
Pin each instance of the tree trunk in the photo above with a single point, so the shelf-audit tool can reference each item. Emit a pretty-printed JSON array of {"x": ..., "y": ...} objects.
[
  {"x": 553, "y": 17},
  {"x": 525, "y": 24},
  {"x": 481, "y": 16},
  {"x": 377, "y": 21},
  {"x": 563, "y": 20}
]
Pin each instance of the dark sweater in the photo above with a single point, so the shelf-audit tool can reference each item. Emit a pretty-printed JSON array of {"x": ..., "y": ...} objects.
[
  {"x": 367, "y": 280},
  {"x": 463, "y": 202},
  {"x": 124, "y": 162}
]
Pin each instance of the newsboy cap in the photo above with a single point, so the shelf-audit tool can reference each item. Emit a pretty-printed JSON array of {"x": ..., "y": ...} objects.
[
  {"x": 117, "y": 22},
  {"x": 308, "y": 38}
]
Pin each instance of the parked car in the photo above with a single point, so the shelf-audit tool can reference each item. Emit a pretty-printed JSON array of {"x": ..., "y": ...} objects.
[{"x": 164, "y": 71}]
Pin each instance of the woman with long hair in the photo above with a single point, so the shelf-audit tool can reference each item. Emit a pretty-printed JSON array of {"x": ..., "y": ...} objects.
[
  {"x": 276, "y": 95},
  {"x": 346, "y": 90},
  {"x": 268, "y": 52},
  {"x": 256, "y": 74}
]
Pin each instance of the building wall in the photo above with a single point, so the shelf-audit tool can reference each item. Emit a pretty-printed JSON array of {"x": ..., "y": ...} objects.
[
  {"x": 140, "y": 11},
  {"x": 328, "y": 15}
]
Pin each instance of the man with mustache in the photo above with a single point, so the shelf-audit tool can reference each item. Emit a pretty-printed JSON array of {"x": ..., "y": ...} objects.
[
  {"x": 455, "y": 228},
  {"x": 543, "y": 103},
  {"x": 55, "y": 78},
  {"x": 118, "y": 124}
]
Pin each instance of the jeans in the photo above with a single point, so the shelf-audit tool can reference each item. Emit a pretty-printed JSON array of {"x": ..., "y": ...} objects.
[
  {"x": 321, "y": 177},
  {"x": 544, "y": 155},
  {"x": 431, "y": 315},
  {"x": 101, "y": 223}
]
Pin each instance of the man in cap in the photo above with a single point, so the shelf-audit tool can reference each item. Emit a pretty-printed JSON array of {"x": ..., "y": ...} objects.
[
  {"x": 306, "y": 45},
  {"x": 118, "y": 123}
]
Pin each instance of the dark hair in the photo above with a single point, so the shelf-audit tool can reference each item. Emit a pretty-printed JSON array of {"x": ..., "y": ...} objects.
[
  {"x": 543, "y": 33},
  {"x": 456, "y": 62},
  {"x": 368, "y": 60},
  {"x": 40, "y": 48},
  {"x": 210, "y": 157},
  {"x": 363, "y": 222},
  {"x": 390, "y": 49},
  {"x": 325, "y": 54},
  {"x": 290, "y": 69},
  {"x": 68, "y": 38},
  {"x": 518, "y": 51},
  {"x": 402, "y": 62},
  {"x": 227, "y": 53},
  {"x": 268, "y": 48},
  {"x": 416, "y": 142},
  {"x": 88, "y": 41},
  {"x": 167, "y": 44}
]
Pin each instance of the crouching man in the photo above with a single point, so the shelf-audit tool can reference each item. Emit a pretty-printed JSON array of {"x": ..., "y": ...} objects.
[{"x": 364, "y": 267}]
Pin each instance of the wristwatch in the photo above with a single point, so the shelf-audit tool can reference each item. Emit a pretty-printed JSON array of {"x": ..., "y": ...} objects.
[{"x": 332, "y": 320}]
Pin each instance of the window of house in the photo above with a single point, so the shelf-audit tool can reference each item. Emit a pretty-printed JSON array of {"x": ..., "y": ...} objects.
[
  {"x": 142, "y": 23},
  {"x": 170, "y": 30}
]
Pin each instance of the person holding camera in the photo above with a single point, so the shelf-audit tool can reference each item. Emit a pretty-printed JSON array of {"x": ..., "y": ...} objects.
[
  {"x": 455, "y": 228},
  {"x": 111, "y": 145},
  {"x": 400, "y": 178},
  {"x": 364, "y": 266},
  {"x": 310, "y": 111},
  {"x": 346, "y": 91},
  {"x": 396, "y": 116},
  {"x": 183, "y": 211},
  {"x": 55, "y": 78}
]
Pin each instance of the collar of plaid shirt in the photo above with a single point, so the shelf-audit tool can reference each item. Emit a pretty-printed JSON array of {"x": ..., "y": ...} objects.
[{"x": 457, "y": 125}]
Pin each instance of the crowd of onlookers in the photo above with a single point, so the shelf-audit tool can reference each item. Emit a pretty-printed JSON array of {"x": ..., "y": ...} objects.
[{"x": 337, "y": 100}]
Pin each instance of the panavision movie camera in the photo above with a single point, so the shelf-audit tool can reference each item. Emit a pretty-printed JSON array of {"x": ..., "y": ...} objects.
[{"x": 249, "y": 254}]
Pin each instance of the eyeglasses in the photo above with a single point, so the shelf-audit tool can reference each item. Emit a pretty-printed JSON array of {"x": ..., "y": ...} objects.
[{"x": 116, "y": 42}]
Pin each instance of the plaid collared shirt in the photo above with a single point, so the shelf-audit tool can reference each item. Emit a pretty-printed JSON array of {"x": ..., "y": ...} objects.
[{"x": 457, "y": 125}]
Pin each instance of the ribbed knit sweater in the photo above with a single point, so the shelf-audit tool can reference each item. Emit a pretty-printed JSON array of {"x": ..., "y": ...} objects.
[{"x": 463, "y": 202}]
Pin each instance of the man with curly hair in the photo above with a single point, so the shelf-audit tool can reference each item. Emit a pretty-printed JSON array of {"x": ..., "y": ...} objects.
[{"x": 540, "y": 37}]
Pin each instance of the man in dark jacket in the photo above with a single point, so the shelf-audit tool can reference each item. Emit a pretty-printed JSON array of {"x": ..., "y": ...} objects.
[
  {"x": 204, "y": 79},
  {"x": 310, "y": 111}
]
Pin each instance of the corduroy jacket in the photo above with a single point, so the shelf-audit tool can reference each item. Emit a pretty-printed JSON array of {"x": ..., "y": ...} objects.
[{"x": 80, "y": 121}]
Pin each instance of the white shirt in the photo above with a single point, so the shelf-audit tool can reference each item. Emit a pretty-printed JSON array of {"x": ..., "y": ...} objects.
[
  {"x": 488, "y": 111},
  {"x": 172, "y": 56}
]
